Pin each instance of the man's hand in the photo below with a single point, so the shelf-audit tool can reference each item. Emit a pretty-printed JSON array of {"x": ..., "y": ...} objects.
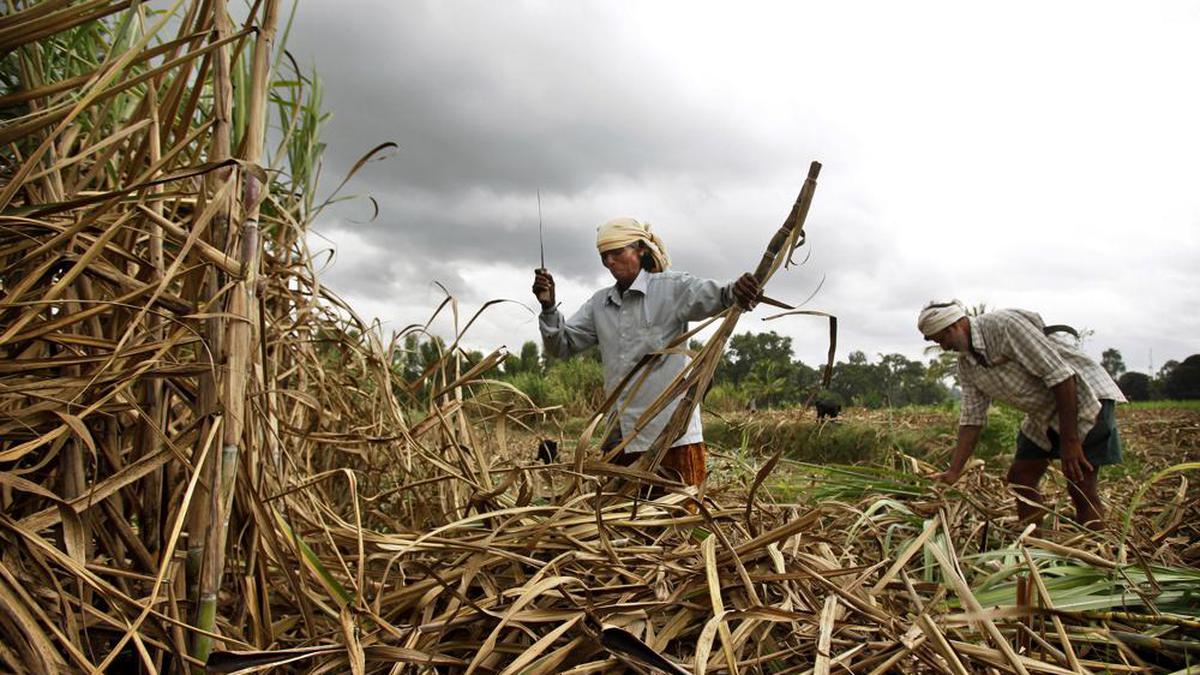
[
  {"x": 1074, "y": 464},
  {"x": 949, "y": 476},
  {"x": 543, "y": 287},
  {"x": 746, "y": 290}
]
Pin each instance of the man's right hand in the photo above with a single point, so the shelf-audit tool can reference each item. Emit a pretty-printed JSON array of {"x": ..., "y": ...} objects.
[{"x": 543, "y": 287}]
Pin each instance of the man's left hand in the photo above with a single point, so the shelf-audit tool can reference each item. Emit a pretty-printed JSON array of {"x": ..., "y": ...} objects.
[
  {"x": 747, "y": 290},
  {"x": 1074, "y": 464}
]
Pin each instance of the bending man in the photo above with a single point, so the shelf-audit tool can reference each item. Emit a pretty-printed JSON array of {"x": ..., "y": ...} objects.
[
  {"x": 1067, "y": 398},
  {"x": 642, "y": 312}
]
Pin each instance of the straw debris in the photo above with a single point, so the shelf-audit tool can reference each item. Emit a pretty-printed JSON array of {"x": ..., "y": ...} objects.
[{"x": 207, "y": 460}]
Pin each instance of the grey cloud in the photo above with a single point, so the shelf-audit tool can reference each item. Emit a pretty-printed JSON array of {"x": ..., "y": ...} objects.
[
  {"x": 491, "y": 101},
  {"x": 513, "y": 104}
]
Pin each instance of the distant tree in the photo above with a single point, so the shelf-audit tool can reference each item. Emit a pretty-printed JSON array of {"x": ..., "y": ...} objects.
[
  {"x": 748, "y": 349},
  {"x": 431, "y": 351},
  {"x": 802, "y": 381},
  {"x": 409, "y": 357},
  {"x": 1167, "y": 368},
  {"x": 859, "y": 382},
  {"x": 1158, "y": 385},
  {"x": 1136, "y": 386},
  {"x": 528, "y": 361},
  {"x": 1183, "y": 381},
  {"x": 1112, "y": 362},
  {"x": 943, "y": 365},
  {"x": 766, "y": 385}
]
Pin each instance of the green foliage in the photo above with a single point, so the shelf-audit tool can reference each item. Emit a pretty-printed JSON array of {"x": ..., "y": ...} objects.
[
  {"x": 1076, "y": 586},
  {"x": 804, "y": 439},
  {"x": 818, "y": 483},
  {"x": 534, "y": 385},
  {"x": 760, "y": 368},
  {"x": 1112, "y": 362},
  {"x": 894, "y": 381},
  {"x": 527, "y": 362},
  {"x": 999, "y": 435},
  {"x": 747, "y": 350},
  {"x": 757, "y": 372},
  {"x": 848, "y": 440},
  {"x": 1183, "y": 381},
  {"x": 829, "y": 398},
  {"x": 1164, "y": 405},
  {"x": 576, "y": 384},
  {"x": 726, "y": 397},
  {"x": 298, "y": 104},
  {"x": 1135, "y": 386}
]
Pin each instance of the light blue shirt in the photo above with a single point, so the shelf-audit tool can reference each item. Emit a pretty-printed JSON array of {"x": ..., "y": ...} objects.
[{"x": 654, "y": 311}]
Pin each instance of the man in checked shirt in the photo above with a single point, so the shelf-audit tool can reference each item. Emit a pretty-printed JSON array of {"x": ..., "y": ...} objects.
[{"x": 1067, "y": 398}]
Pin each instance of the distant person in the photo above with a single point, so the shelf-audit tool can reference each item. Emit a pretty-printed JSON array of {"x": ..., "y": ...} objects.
[
  {"x": 642, "y": 312},
  {"x": 1067, "y": 398}
]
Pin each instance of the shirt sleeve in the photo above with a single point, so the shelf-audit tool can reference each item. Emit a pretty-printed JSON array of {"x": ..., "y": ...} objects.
[
  {"x": 975, "y": 405},
  {"x": 563, "y": 338},
  {"x": 1029, "y": 346},
  {"x": 700, "y": 298}
]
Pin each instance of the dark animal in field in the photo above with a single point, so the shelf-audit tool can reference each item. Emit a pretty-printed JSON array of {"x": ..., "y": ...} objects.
[
  {"x": 547, "y": 451},
  {"x": 827, "y": 409}
]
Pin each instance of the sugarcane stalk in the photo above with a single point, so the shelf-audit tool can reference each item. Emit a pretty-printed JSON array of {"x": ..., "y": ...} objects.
[
  {"x": 208, "y": 525},
  {"x": 254, "y": 193},
  {"x": 152, "y": 389},
  {"x": 1162, "y": 619},
  {"x": 243, "y": 312},
  {"x": 705, "y": 364}
]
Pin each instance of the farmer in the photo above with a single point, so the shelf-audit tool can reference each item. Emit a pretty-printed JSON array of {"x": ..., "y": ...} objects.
[
  {"x": 1067, "y": 398},
  {"x": 642, "y": 312}
]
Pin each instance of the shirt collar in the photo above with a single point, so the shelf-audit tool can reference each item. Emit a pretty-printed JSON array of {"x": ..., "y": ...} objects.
[
  {"x": 640, "y": 284},
  {"x": 978, "y": 346}
]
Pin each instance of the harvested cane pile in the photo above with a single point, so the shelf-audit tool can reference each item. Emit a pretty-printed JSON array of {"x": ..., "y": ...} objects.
[{"x": 207, "y": 460}]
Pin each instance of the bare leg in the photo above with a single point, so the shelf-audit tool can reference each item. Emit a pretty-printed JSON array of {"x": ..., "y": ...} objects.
[
  {"x": 1024, "y": 476},
  {"x": 1089, "y": 510}
]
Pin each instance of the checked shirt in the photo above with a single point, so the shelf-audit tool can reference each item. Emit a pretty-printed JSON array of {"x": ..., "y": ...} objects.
[{"x": 1012, "y": 360}]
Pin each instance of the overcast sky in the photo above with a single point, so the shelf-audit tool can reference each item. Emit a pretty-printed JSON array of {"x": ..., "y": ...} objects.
[{"x": 1043, "y": 155}]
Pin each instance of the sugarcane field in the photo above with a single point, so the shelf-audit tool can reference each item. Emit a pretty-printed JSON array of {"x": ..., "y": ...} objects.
[{"x": 334, "y": 340}]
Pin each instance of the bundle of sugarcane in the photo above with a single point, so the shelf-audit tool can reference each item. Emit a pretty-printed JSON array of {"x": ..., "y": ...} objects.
[{"x": 166, "y": 342}]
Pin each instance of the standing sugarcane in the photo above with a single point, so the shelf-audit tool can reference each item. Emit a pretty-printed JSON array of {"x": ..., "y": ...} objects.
[
  {"x": 206, "y": 535},
  {"x": 242, "y": 313}
]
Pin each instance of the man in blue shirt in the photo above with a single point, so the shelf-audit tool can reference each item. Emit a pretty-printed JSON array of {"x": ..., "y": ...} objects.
[{"x": 644, "y": 311}]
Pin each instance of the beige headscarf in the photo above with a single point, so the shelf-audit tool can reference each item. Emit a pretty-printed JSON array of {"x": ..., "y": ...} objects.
[
  {"x": 620, "y": 232},
  {"x": 937, "y": 315}
]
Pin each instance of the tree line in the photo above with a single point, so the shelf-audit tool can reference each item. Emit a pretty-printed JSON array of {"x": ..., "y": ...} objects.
[
  {"x": 760, "y": 371},
  {"x": 1177, "y": 380}
]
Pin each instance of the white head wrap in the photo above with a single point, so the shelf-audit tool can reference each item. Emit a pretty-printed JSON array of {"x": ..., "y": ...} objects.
[
  {"x": 937, "y": 315},
  {"x": 620, "y": 232}
]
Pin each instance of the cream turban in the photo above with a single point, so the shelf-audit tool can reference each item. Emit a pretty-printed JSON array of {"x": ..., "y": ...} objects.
[
  {"x": 937, "y": 315},
  {"x": 620, "y": 232}
]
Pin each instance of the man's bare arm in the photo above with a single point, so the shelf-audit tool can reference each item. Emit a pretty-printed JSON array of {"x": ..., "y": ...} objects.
[
  {"x": 968, "y": 436},
  {"x": 1074, "y": 464}
]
